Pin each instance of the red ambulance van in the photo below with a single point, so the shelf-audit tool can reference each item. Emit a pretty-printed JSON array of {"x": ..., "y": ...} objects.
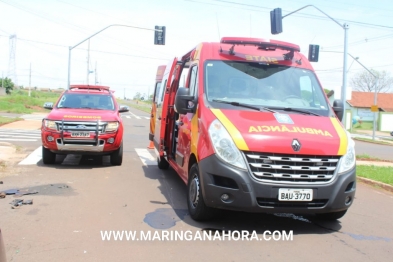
[{"x": 251, "y": 130}]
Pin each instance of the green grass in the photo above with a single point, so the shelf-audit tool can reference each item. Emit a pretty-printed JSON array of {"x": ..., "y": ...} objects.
[
  {"x": 367, "y": 157},
  {"x": 381, "y": 142},
  {"x": 141, "y": 105},
  {"x": 6, "y": 120},
  {"x": 363, "y": 126},
  {"x": 21, "y": 103},
  {"x": 376, "y": 173}
]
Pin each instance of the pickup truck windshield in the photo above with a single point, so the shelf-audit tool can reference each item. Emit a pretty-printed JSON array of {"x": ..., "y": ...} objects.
[
  {"x": 272, "y": 86},
  {"x": 86, "y": 101}
]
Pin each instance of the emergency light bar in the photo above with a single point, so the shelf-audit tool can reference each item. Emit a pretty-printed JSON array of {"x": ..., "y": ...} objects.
[
  {"x": 89, "y": 87},
  {"x": 261, "y": 43}
]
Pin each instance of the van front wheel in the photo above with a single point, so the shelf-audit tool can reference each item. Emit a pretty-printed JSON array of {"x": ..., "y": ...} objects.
[
  {"x": 331, "y": 216},
  {"x": 196, "y": 205}
]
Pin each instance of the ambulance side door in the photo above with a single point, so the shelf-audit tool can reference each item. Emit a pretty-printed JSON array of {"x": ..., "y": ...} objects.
[{"x": 162, "y": 109}]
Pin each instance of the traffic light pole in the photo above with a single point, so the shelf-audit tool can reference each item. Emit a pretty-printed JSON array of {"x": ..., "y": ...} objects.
[
  {"x": 72, "y": 47},
  {"x": 344, "y": 84}
]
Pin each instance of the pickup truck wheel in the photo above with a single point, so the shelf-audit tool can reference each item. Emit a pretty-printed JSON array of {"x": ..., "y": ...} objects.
[
  {"x": 117, "y": 156},
  {"x": 162, "y": 163},
  {"x": 196, "y": 205},
  {"x": 391, "y": 133},
  {"x": 331, "y": 216},
  {"x": 48, "y": 157}
]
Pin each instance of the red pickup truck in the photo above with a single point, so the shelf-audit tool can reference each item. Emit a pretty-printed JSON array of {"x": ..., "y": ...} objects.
[{"x": 85, "y": 120}]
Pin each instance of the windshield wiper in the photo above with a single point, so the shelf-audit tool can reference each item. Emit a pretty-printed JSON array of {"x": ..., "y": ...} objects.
[
  {"x": 259, "y": 108},
  {"x": 300, "y": 111}
]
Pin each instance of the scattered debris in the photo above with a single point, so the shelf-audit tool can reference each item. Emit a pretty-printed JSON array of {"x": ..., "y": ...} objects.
[
  {"x": 2, "y": 194},
  {"x": 16, "y": 203},
  {"x": 1, "y": 182}
]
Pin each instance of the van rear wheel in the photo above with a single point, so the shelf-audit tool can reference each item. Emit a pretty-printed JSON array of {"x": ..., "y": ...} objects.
[
  {"x": 196, "y": 204},
  {"x": 48, "y": 157},
  {"x": 162, "y": 163}
]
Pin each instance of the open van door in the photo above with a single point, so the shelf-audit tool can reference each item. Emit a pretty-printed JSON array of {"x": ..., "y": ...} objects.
[
  {"x": 155, "y": 101},
  {"x": 161, "y": 113}
]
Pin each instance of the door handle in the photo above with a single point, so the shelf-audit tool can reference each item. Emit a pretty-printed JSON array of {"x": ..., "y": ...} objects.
[{"x": 159, "y": 118}]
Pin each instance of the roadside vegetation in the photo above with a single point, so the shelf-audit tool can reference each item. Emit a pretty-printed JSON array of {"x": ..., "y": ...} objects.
[
  {"x": 144, "y": 106},
  {"x": 377, "y": 173},
  {"x": 20, "y": 102},
  {"x": 380, "y": 142},
  {"x": 6, "y": 120}
]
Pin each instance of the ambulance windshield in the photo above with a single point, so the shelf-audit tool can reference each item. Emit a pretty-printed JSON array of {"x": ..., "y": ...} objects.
[{"x": 266, "y": 85}]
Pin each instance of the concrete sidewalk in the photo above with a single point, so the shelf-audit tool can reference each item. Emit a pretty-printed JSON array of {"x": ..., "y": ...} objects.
[{"x": 23, "y": 124}]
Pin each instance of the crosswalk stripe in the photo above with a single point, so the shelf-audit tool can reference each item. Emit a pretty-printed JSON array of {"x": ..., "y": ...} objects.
[
  {"x": 21, "y": 140},
  {"x": 33, "y": 158},
  {"x": 145, "y": 156}
]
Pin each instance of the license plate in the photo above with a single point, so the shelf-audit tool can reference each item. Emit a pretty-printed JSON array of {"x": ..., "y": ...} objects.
[
  {"x": 289, "y": 194},
  {"x": 80, "y": 134}
]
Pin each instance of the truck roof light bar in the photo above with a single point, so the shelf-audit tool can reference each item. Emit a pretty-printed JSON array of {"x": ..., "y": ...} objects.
[
  {"x": 260, "y": 43},
  {"x": 90, "y": 87}
]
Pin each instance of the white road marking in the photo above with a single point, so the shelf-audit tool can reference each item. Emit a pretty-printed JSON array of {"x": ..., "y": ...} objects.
[
  {"x": 33, "y": 158},
  {"x": 145, "y": 156},
  {"x": 21, "y": 140},
  {"x": 137, "y": 117}
]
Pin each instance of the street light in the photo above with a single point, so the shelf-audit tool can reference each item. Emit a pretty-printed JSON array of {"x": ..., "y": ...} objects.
[
  {"x": 72, "y": 47},
  {"x": 376, "y": 85},
  {"x": 275, "y": 15}
]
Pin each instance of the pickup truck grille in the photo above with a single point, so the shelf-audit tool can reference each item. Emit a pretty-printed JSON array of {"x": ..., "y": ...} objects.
[
  {"x": 69, "y": 126},
  {"x": 293, "y": 169}
]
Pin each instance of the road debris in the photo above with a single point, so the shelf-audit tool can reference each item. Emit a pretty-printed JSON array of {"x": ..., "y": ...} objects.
[
  {"x": 2, "y": 194},
  {"x": 16, "y": 203}
]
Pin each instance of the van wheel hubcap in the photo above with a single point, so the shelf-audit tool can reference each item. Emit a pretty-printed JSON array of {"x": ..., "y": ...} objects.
[{"x": 194, "y": 191}]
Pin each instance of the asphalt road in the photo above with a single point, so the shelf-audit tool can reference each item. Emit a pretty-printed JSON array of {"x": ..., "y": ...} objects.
[
  {"x": 81, "y": 197},
  {"x": 375, "y": 150}
]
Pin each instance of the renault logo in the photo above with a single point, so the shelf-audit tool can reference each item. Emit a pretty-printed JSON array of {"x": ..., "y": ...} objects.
[{"x": 296, "y": 145}]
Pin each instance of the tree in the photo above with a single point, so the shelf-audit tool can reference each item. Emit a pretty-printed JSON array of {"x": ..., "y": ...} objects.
[
  {"x": 7, "y": 84},
  {"x": 137, "y": 96},
  {"x": 365, "y": 82}
]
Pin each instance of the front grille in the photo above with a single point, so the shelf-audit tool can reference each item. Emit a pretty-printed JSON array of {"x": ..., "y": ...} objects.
[
  {"x": 93, "y": 126},
  {"x": 296, "y": 169},
  {"x": 274, "y": 202}
]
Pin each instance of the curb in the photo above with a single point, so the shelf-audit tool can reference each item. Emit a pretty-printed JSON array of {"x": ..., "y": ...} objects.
[{"x": 376, "y": 183}]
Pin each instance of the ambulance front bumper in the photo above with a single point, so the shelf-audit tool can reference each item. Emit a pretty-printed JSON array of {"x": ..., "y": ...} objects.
[{"x": 228, "y": 187}]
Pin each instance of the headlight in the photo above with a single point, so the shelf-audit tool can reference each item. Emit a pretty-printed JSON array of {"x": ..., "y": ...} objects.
[
  {"x": 348, "y": 161},
  {"x": 112, "y": 126},
  {"x": 224, "y": 146},
  {"x": 50, "y": 124}
]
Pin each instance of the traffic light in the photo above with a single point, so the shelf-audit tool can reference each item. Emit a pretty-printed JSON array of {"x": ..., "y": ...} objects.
[
  {"x": 313, "y": 53},
  {"x": 159, "y": 35},
  {"x": 276, "y": 21}
]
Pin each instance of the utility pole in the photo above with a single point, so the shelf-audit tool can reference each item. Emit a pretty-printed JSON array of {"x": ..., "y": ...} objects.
[
  {"x": 95, "y": 75},
  {"x": 30, "y": 80},
  {"x": 88, "y": 61}
]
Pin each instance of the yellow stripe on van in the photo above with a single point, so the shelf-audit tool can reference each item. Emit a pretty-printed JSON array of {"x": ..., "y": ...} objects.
[
  {"x": 194, "y": 134},
  {"x": 232, "y": 130},
  {"x": 343, "y": 136}
]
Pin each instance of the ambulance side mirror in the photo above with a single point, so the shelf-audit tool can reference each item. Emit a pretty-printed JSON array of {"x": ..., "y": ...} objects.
[
  {"x": 338, "y": 108},
  {"x": 184, "y": 102}
]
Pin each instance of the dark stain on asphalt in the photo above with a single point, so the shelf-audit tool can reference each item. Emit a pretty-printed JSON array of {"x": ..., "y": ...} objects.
[
  {"x": 48, "y": 190},
  {"x": 164, "y": 218}
]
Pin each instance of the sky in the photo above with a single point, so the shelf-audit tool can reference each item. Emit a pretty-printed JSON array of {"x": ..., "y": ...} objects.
[{"x": 36, "y": 36}]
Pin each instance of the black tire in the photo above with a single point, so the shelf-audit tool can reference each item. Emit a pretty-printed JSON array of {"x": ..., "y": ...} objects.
[
  {"x": 391, "y": 133},
  {"x": 195, "y": 202},
  {"x": 162, "y": 163},
  {"x": 331, "y": 216},
  {"x": 117, "y": 156},
  {"x": 48, "y": 157}
]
